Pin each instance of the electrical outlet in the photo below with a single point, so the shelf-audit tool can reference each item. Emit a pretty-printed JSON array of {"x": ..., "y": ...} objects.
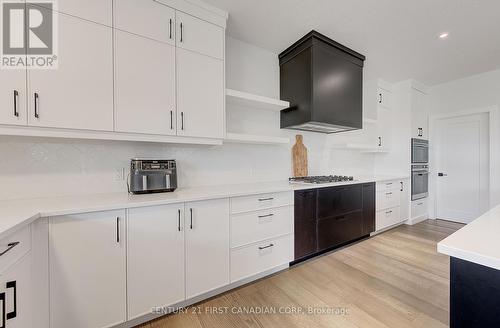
[{"x": 119, "y": 174}]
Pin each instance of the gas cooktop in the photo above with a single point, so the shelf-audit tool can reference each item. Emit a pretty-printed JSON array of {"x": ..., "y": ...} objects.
[{"x": 321, "y": 179}]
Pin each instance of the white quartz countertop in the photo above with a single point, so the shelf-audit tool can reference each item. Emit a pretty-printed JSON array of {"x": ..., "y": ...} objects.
[
  {"x": 477, "y": 242},
  {"x": 15, "y": 214}
]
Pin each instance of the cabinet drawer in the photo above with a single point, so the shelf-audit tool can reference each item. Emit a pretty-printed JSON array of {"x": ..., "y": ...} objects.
[
  {"x": 419, "y": 208},
  {"x": 200, "y": 36},
  {"x": 388, "y": 185},
  {"x": 253, "y": 259},
  {"x": 338, "y": 230},
  {"x": 387, "y": 199},
  {"x": 387, "y": 218},
  {"x": 261, "y": 201},
  {"x": 336, "y": 201},
  {"x": 256, "y": 226},
  {"x": 15, "y": 246}
]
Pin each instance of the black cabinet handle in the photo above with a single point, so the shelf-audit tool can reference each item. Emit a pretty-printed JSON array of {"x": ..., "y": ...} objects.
[
  {"x": 402, "y": 186},
  {"x": 389, "y": 212},
  {"x": 182, "y": 120},
  {"x": 379, "y": 98},
  {"x": 171, "y": 120},
  {"x": 182, "y": 34},
  {"x": 420, "y": 132},
  {"x": 118, "y": 230},
  {"x": 9, "y": 247},
  {"x": 268, "y": 246},
  {"x": 13, "y": 314},
  {"x": 380, "y": 141},
  {"x": 191, "y": 224},
  {"x": 16, "y": 98},
  {"x": 170, "y": 28},
  {"x": 388, "y": 193},
  {"x": 265, "y": 216},
  {"x": 37, "y": 115},
  {"x": 2, "y": 298},
  {"x": 341, "y": 218},
  {"x": 179, "y": 223},
  {"x": 265, "y": 199}
]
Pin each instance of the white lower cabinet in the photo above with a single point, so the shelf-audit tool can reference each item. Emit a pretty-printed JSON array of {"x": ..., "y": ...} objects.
[
  {"x": 87, "y": 257},
  {"x": 419, "y": 209},
  {"x": 15, "y": 293},
  {"x": 256, "y": 258},
  {"x": 207, "y": 246},
  {"x": 392, "y": 203},
  {"x": 155, "y": 259}
]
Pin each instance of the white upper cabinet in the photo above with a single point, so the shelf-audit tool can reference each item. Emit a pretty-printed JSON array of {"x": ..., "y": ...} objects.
[
  {"x": 79, "y": 93},
  {"x": 384, "y": 98},
  {"x": 155, "y": 259},
  {"x": 13, "y": 108},
  {"x": 200, "y": 95},
  {"x": 87, "y": 256},
  {"x": 200, "y": 36},
  {"x": 207, "y": 246},
  {"x": 99, "y": 11},
  {"x": 146, "y": 18},
  {"x": 420, "y": 114},
  {"x": 144, "y": 89}
]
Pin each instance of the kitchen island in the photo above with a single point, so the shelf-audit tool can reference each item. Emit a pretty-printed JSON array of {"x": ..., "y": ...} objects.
[{"x": 475, "y": 272}]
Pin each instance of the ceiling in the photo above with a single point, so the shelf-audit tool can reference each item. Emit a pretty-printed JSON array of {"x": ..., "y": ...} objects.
[{"x": 399, "y": 37}]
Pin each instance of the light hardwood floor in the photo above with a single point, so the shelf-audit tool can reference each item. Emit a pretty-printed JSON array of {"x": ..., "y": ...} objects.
[{"x": 395, "y": 279}]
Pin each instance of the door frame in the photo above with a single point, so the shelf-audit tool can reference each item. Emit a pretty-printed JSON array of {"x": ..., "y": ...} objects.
[{"x": 494, "y": 164}]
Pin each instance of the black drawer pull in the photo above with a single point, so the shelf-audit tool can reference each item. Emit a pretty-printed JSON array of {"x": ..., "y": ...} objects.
[
  {"x": 389, "y": 212},
  {"x": 388, "y": 193},
  {"x": 265, "y": 199},
  {"x": 13, "y": 314},
  {"x": 9, "y": 247},
  {"x": 268, "y": 246},
  {"x": 265, "y": 216},
  {"x": 340, "y": 218}
]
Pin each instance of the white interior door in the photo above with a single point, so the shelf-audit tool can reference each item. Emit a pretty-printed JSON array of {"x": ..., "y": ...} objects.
[{"x": 462, "y": 156}]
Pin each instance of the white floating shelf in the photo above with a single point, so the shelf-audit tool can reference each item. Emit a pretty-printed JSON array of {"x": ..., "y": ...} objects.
[
  {"x": 364, "y": 148},
  {"x": 254, "y": 139},
  {"x": 249, "y": 100}
]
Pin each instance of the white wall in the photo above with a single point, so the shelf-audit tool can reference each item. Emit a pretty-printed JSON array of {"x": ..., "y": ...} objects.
[
  {"x": 471, "y": 93},
  {"x": 31, "y": 167}
]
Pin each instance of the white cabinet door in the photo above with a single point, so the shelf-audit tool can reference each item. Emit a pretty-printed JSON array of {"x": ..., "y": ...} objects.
[
  {"x": 155, "y": 258},
  {"x": 384, "y": 98},
  {"x": 146, "y": 18},
  {"x": 15, "y": 292},
  {"x": 79, "y": 93},
  {"x": 404, "y": 202},
  {"x": 420, "y": 115},
  {"x": 13, "y": 108},
  {"x": 200, "y": 95},
  {"x": 99, "y": 11},
  {"x": 200, "y": 36},
  {"x": 207, "y": 246},
  {"x": 87, "y": 270},
  {"x": 144, "y": 88}
]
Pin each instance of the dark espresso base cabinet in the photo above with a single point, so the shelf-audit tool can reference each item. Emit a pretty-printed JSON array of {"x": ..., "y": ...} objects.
[
  {"x": 330, "y": 217},
  {"x": 474, "y": 295}
]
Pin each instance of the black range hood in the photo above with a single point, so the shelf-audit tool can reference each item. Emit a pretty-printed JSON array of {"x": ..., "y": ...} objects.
[{"x": 323, "y": 81}]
